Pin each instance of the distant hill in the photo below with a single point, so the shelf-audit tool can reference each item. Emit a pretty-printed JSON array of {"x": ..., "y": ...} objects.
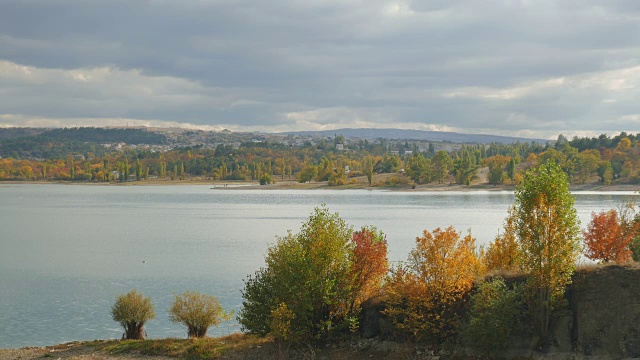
[
  {"x": 8, "y": 133},
  {"x": 28, "y": 143},
  {"x": 419, "y": 135}
]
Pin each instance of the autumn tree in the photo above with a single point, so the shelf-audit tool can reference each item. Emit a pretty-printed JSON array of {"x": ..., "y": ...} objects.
[
  {"x": 502, "y": 253},
  {"x": 425, "y": 295},
  {"x": 606, "y": 239},
  {"x": 548, "y": 234},
  {"x": 369, "y": 265},
  {"x": 132, "y": 310}
]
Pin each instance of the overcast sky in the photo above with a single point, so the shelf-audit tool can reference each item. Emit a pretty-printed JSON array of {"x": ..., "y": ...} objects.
[{"x": 532, "y": 68}]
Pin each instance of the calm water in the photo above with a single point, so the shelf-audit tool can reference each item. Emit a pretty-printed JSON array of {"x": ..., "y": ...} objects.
[{"x": 67, "y": 251}]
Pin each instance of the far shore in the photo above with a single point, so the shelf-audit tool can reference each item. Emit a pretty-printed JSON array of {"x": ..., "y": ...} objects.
[{"x": 357, "y": 183}]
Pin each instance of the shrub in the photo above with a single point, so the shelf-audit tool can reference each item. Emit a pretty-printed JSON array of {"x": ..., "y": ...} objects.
[
  {"x": 266, "y": 179},
  {"x": 132, "y": 311},
  {"x": 316, "y": 276},
  {"x": 495, "y": 315},
  {"x": 395, "y": 180},
  {"x": 198, "y": 312},
  {"x": 426, "y": 296}
]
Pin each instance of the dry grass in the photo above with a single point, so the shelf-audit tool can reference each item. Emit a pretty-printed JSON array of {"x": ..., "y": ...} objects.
[
  {"x": 585, "y": 267},
  {"x": 205, "y": 348},
  {"x": 242, "y": 346}
]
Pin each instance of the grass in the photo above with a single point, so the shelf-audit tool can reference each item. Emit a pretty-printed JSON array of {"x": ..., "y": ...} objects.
[{"x": 238, "y": 345}]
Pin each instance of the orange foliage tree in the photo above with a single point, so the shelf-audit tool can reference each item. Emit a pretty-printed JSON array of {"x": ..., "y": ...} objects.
[
  {"x": 426, "y": 294},
  {"x": 607, "y": 238},
  {"x": 502, "y": 253},
  {"x": 369, "y": 264}
]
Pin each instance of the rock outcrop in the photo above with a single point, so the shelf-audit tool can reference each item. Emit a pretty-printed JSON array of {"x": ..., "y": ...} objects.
[{"x": 600, "y": 321}]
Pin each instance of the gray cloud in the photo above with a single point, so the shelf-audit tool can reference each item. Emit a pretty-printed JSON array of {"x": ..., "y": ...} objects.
[{"x": 507, "y": 67}]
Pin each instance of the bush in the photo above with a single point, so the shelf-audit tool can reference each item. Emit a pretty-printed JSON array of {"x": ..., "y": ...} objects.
[
  {"x": 496, "y": 314},
  {"x": 395, "y": 180},
  {"x": 266, "y": 179},
  {"x": 198, "y": 312},
  {"x": 132, "y": 311},
  {"x": 320, "y": 275}
]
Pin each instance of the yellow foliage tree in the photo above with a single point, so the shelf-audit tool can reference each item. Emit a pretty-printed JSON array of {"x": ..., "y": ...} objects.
[
  {"x": 425, "y": 295},
  {"x": 548, "y": 238},
  {"x": 502, "y": 253}
]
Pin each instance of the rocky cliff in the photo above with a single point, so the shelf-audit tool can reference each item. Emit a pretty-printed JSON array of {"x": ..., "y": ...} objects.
[{"x": 600, "y": 321}]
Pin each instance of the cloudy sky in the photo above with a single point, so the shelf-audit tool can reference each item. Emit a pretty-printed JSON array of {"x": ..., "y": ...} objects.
[{"x": 532, "y": 68}]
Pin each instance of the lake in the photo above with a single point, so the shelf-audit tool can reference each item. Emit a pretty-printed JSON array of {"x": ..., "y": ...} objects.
[{"x": 67, "y": 251}]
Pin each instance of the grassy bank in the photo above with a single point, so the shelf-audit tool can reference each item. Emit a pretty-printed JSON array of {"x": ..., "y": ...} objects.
[{"x": 232, "y": 347}]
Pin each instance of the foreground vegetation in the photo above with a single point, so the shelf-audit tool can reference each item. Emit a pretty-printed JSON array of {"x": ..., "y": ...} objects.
[{"x": 447, "y": 293}]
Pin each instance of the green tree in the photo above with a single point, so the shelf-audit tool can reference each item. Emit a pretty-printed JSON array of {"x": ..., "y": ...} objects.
[
  {"x": 418, "y": 168},
  {"x": 586, "y": 163},
  {"x": 442, "y": 164},
  {"x": 368, "y": 169},
  {"x": 548, "y": 233},
  {"x": 310, "y": 272},
  {"x": 138, "y": 170},
  {"x": 511, "y": 169},
  {"x": 126, "y": 170},
  {"x": 308, "y": 173},
  {"x": 198, "y": 312},
  {"x": 132, "y": 311},
  {"x": 605, "y": 172}
]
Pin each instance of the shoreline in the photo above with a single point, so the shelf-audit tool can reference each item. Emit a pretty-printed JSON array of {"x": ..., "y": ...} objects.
[{"x": 294, "y": 185}]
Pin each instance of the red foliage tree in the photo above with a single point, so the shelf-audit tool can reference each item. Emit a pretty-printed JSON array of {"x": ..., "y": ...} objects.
[
  {"x": 607, "y": 238},
  {"x": 369, "y": 264}
]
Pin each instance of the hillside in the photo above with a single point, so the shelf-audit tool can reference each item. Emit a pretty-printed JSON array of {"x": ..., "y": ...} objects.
[{"x": 419, "y": 135}]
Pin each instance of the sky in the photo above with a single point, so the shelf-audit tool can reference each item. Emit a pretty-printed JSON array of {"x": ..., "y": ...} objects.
[{"x": 529, "y": 68}]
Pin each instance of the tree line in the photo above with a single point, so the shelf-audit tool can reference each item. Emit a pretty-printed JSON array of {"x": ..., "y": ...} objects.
[{"x": 584, "y": 160}]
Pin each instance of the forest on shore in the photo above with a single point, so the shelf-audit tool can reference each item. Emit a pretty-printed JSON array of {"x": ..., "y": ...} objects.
[{"x": 93, "y": 155}]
